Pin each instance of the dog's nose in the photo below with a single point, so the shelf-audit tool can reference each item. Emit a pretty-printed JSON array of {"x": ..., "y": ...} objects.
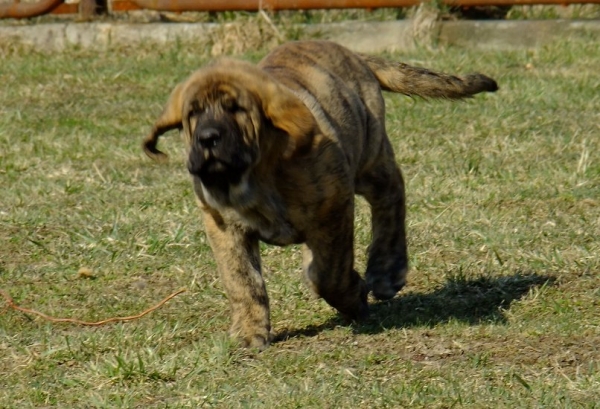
[{"x": 209, "y": 137}]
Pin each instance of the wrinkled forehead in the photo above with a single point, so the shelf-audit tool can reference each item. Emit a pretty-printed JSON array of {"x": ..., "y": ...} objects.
[
  {"x": 226, "y": 80},
  {"x": 220, "y": 94}
]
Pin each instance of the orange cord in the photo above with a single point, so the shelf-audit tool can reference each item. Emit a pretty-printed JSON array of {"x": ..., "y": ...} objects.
[{"x": 11, "y": 304}]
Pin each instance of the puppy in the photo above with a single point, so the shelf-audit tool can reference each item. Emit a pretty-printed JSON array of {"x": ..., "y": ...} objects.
[{"x": 277, "y": 152}]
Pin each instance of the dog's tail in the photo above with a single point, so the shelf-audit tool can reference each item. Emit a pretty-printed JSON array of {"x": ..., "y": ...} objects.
[{"x": 408, "y": 80}]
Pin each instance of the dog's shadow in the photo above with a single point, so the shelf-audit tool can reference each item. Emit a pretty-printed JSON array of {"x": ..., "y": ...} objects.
[{"x": 473, "y": 301}]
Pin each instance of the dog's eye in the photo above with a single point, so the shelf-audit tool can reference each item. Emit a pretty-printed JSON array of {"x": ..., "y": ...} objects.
[
  {"x": 196, "y": 109},
  {"x": 232, "y": 106}
]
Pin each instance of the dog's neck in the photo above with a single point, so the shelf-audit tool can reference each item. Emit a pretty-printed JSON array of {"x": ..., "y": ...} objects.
[{"x": 266, "y": 213}]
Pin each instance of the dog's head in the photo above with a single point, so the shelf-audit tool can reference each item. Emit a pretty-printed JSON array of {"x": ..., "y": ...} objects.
[
  {"x": 233, "y": 116},
  {"x": 221, "y": 123}
]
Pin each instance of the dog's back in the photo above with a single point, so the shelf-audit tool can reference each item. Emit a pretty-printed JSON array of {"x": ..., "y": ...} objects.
[
  {"x": 339, "y": 89},
  {"x": 342, "y": 89},
  {"x": 392, "y": 76}
]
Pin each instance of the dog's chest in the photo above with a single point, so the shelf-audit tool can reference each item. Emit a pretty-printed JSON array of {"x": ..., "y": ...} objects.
[{"x": 273, "y": 229}]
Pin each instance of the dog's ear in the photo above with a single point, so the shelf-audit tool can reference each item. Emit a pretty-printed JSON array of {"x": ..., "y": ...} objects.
[
  {"x": 170, "y": 118},
  {"x": 288, "y": 113}
]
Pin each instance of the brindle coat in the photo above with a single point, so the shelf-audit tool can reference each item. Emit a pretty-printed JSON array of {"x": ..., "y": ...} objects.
[{"x": 277, "y": 152}]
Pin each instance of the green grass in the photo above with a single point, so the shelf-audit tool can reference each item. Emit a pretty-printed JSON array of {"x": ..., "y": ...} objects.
[{"x": 502, "y": 307}]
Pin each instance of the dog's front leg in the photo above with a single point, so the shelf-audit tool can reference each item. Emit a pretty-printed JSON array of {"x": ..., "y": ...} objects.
[
  {"x": 328, "y": 263},
  {"x": 238, "y": 259}
]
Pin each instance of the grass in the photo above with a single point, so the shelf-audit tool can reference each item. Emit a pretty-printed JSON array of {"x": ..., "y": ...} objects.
[{"x": 501, "y": 310}]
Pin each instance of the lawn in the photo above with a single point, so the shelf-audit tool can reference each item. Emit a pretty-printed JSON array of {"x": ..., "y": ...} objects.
[{"x": 502, "y": 308}]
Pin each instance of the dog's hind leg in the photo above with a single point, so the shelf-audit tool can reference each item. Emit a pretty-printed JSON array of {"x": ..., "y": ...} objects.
[{"x": 383, "y": 187}]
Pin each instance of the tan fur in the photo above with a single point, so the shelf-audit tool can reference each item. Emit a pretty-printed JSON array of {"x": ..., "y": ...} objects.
[{"x": 277, "y": 152}]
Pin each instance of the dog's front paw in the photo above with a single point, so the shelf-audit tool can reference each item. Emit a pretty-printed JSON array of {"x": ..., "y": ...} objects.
[
  {"x": 358, "y": 309},
  {"x": 252, "y": 338},
  {"x": 258, "y": 342}
]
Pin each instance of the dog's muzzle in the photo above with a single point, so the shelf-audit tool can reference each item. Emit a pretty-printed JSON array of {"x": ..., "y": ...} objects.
[
  {"x": 209, "y": 138},
  {"x": 217, "y": 156}
]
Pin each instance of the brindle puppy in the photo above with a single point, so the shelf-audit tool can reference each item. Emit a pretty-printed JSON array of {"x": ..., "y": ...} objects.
[{"x": 277, "y": 152}]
